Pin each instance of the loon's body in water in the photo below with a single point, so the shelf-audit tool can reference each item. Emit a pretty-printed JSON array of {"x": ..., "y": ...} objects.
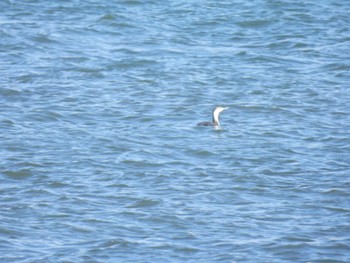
[{"x": 215, "y": 123}]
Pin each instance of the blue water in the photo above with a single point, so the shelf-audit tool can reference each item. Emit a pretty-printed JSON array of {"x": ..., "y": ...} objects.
[{"x": 101, "y": 159}]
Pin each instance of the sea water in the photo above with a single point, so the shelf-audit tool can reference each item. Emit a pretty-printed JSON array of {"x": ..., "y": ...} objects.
[{"x": 100, "y": 156}]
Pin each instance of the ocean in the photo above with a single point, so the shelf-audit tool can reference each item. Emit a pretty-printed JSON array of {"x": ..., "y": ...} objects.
[{"x": 101, "y": 158}]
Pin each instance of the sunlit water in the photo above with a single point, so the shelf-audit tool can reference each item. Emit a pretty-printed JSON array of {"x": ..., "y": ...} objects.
[{"x": 101, "y": 159}]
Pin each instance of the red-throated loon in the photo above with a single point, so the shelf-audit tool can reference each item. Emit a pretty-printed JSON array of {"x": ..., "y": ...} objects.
[{"x": 215, "y": 123}]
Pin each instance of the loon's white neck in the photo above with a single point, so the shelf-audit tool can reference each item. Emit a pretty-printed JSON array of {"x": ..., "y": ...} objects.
[
  {"x": 216, "y": 113},
  {"x": 216, "y": 118}
]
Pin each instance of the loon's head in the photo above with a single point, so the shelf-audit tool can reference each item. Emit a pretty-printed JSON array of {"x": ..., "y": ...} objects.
[{"x": 219, "y": 109}]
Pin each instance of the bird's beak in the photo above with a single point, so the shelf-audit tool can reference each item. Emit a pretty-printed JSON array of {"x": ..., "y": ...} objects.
[{"x": 226, "y": 108}]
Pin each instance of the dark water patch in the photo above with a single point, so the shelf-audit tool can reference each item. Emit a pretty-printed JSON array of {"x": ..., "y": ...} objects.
[
  {"x": 18, "y": 174},
  {"x": 143, "y": 203}
]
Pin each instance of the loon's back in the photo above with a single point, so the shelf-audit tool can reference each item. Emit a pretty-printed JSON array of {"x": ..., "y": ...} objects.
[{"x": 207, "y": 123}]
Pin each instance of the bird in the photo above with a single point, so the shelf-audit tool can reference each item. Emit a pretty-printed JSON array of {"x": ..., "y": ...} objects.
[{"x": 215, "y": 123}]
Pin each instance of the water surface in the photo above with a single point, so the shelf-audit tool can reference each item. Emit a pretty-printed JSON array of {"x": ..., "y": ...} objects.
[{"x": 101, "y": 159}]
